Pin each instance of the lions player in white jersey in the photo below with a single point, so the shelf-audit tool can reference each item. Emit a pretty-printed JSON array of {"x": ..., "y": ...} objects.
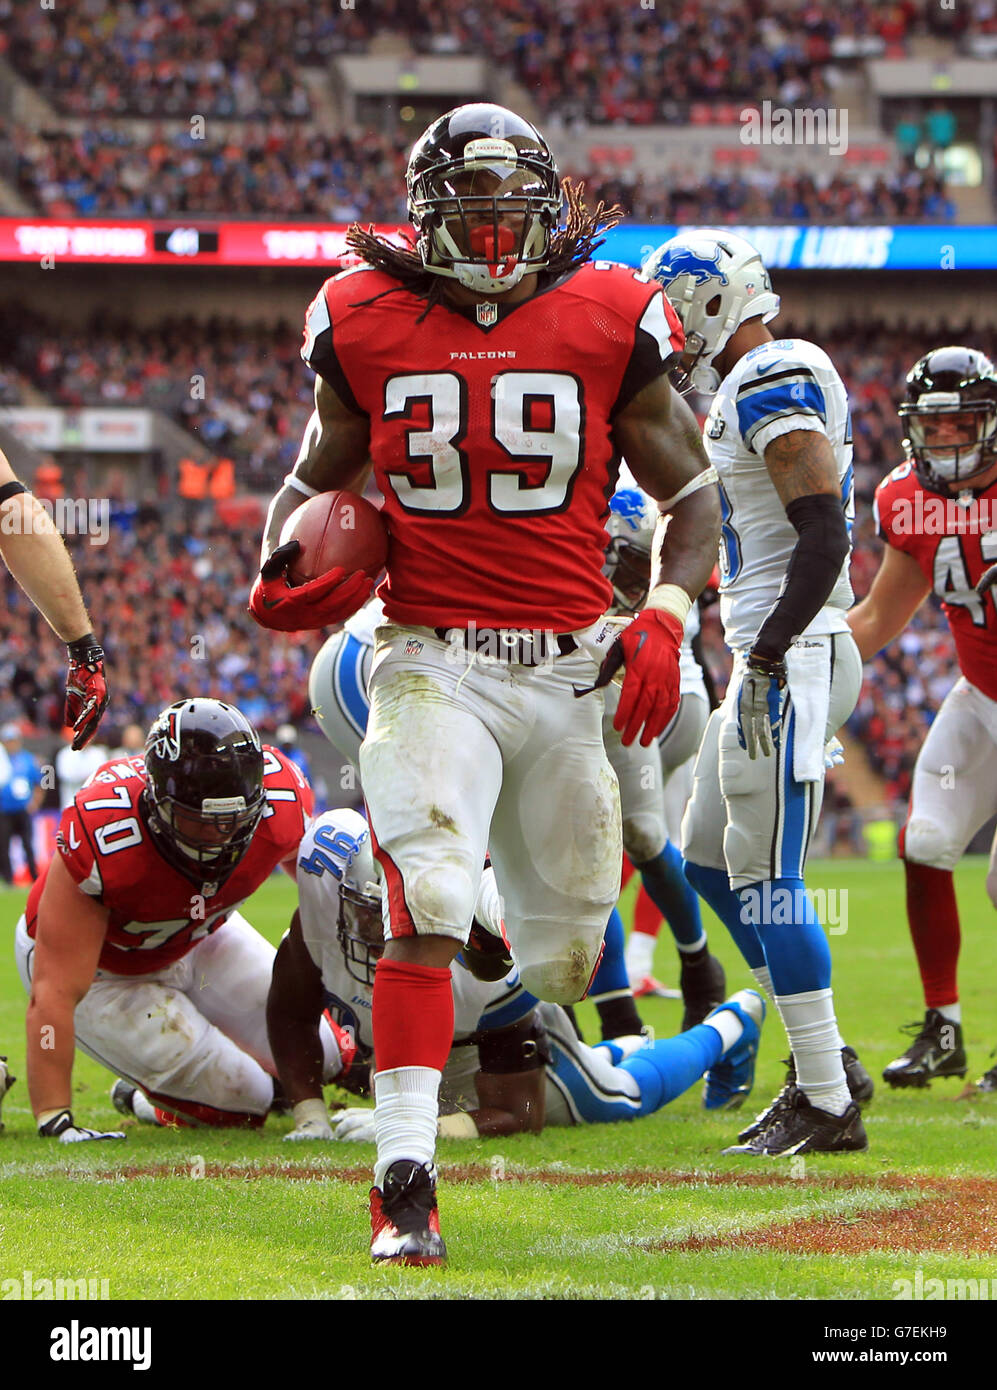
[
  {"x": 516, "y": 1064},
  {"x": 655, "y": 782},
  {"x": 779, "y": 435}
]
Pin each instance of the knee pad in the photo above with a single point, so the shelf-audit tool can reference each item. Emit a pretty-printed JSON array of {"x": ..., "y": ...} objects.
[
  {"x": 643, "y": 837},
  {"x": 562, "y": 979},
  {"x": 927, "y": 842},
  {"x": 441, "y": 897}
]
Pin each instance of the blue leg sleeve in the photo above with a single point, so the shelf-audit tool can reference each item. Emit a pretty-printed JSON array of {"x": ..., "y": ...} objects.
[
  {"x": 673, "y": 895},
  {"x": 667, "y": 1068},
  {"x": 796, "y": 950},
  {"x": 714, "y": 886}
]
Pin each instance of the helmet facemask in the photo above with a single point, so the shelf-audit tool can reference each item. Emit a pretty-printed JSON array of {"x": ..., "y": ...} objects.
[
  {"x": 628, "y": 569},
  {"x": 205, "y": 842},
  {"x": 361, "y": 930},
  {"x": 486, "y": 219},
  {"x": 952, "y": 441}
]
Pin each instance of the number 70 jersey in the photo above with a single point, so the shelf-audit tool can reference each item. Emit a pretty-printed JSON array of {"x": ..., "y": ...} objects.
[{"x": 491, "y": 435}]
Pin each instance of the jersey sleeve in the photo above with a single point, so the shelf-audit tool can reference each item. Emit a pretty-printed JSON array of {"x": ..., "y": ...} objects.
[
  {"x": 778, "y": 394},
  {"x": 318, "y": 350},
  {"x": 290, "y": 798},
  {"x": 892, "y": 508},
  {"x": 657, "y": 345},
  {"x": 77, "y": 851}
]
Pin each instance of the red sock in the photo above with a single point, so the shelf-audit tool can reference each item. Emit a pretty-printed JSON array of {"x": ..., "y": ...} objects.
[
  {"x": 647, "y": 917},
  {"x": 934, "y": 927},
  {"x": 626, "y": 873},
  {"x": 412, "y": 1015}
]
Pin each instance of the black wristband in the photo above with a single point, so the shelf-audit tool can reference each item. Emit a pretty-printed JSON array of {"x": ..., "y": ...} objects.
[
  {"x": 11, "y": 490},
  {"x": 83, "y": 649},
  {"x": 813, "y": 571}
]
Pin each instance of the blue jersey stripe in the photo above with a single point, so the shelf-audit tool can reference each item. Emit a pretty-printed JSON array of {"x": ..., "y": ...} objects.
[{"x": 800, "y": 397}]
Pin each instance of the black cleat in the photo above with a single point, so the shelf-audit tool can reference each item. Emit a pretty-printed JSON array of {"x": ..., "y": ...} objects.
[
  {"x": 800, "y": 1128},
  {"x": 860, "y": 1088},
  {"x": 404, "y": 1221},
  {"x": 6, "y": 1081},
  {"x": 937, "y": 1050},
  {"x": 704, "y": 988},
  {"x": 860, "y": 1084}
]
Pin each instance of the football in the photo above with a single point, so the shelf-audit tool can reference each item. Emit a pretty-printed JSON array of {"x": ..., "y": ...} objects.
[{"x": 336, "y": 529}]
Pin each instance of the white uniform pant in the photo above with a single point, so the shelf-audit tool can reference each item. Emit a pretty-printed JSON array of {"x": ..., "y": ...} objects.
[
  {"x": 195, "y": 1032},
  {"x": 752, "y": 817},
  {"x": 466, "y": 756},
  {"x": 954, "y": 791},
  {"x": 655, "y": 782}
]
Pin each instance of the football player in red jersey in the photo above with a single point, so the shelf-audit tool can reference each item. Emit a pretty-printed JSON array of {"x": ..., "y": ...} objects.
[
  {"x": 937, "y": 514},
  {"x": 36, "y": 556},
  {"x": 493, "y": 374},
  {"x": 135, "y": 925}
]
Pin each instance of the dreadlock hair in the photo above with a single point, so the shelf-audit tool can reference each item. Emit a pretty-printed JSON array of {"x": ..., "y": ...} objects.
[{"x": 570, "y": 246}]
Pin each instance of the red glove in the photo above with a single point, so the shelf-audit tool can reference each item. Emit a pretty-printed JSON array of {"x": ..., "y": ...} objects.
[
  {"x": 86, "y": 689},
  {"x": 322, "y": 602},
  {"x": 649, "y": 649}
]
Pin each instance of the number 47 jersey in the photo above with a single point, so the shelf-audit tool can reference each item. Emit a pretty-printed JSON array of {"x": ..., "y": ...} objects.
[
  {"x": 491, "y": 435},
  {"x": 953, "y": 544}
]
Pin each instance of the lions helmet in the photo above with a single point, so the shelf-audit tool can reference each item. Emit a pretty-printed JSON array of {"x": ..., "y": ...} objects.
[
  {"x": 715, "y": 281},
  {"x": 484, "y": 196},
  {"x": 203, "y": 797},
  {"x": 631, "y": 522},
  {"x": 361, "y": 923},
  {"x": 951, "y": 418}
]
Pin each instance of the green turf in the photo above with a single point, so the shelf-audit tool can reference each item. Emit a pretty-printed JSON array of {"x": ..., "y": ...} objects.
[{"x": 192, "y": 1236}]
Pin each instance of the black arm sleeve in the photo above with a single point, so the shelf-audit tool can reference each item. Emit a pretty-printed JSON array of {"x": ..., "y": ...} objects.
[{"x": 813, "y": 571}]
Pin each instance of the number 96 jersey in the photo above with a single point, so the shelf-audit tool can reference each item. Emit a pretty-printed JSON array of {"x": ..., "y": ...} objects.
[
  {"x": 155, "y": 914},
  {"x": 953, "y": 545},
  {"x": 491, "y": 435}
]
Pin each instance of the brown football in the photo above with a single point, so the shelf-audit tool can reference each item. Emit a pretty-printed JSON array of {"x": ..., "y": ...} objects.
[{"x": 336, "y": 530}]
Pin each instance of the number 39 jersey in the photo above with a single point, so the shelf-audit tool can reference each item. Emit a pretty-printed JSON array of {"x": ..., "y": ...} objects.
[
  {"x": 773, "y": 389},
  {"x": 491, "y": 435},
  {"x": 155, "y": 914},
  {"x": 953, "y": 545}
]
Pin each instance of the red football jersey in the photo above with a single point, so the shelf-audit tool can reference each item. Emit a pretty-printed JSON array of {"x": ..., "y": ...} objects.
[
  {"x": 490, "y": 434},
  {"x": 156, "y": 914},
  {"x": 953, "y": 545}
]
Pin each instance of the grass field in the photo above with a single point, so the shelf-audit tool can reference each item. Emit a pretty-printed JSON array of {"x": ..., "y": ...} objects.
[{"x": 639, "y": 1211}]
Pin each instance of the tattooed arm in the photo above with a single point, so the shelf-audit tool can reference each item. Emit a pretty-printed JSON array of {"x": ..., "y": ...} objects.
[{"x": 802, "y": 467}]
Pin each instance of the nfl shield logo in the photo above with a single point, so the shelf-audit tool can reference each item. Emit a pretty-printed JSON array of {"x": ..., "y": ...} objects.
[
  {"x": 413, "y": 646},
  {"x": 487, "y": 314}
]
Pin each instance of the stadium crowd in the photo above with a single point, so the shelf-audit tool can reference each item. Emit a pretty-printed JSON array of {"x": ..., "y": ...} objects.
[
  {"x": 272, "y": 168},
  {"x": 170, "y": 627}
]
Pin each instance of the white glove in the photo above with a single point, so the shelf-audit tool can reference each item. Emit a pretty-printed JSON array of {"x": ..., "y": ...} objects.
[
  {"x": 311, "y": 1129},
  {"x": 64, "y": 1128},
  {"x": 760, "y": 701},
  {"x": 311, "y": 1121},
  {"x": 356, "y": 1125},
  {"x": 834, "y": 753}
]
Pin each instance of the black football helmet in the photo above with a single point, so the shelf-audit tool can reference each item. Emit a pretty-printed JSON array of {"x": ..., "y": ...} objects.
[
  {"x": 484, "y": 196},
  {"x": 204, "y": 795},
  {"x": 951, "y": 418}
]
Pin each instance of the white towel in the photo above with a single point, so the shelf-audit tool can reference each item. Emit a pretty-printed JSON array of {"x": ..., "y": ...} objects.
[{"x": 808, "y": 665}]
